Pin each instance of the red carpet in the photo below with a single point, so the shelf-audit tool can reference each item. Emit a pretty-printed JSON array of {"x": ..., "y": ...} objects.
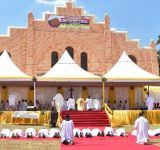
[
  {"x": 108, "y": 143},
  {"x": 88, "y": 118}
]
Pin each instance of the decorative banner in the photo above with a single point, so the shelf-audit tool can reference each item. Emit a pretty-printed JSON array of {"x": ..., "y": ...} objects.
[{"x": 69, "y": 22}]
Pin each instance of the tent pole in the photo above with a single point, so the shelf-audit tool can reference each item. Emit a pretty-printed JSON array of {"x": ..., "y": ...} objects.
[
  {"x": 34, "y": 86},
  {"x": 103, "y": 92},
  {"x": 34, "y": 93},
  {"x": 148, "y": 89}
]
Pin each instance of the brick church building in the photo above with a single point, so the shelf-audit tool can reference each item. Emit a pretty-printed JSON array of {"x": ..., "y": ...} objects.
[{"x": 36, "y": 48}]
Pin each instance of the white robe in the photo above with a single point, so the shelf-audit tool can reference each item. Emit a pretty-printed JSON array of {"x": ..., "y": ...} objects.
[
  {"x": 96, "y": 104},
  {"x": 59, "y": 100},
  {"x": 6, "y": 132},
  {"x": 153, "y": 132},
  {"x": 150, "y": 103},
  {"x": 67, "y": 130},
  {"x": 18, "y": 132},
  {"x": 108, "y": 130},
  {"x": 53, "y": 131},
  {"x": 95, "y": 131},
  {"x": 30, "y": 132},
  {"x": 42, "y": 132},
  {"x": 89, "y": 103},
  {"x": 76, "y": 130},
  {"x": 71, "y": 104},
  {"x": 120, "y": 131},
  {"x": 84, "y": 131},
  {"x": 141, "y": 125}
]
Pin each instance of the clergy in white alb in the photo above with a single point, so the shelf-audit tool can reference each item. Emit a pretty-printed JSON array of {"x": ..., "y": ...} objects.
[
  {"x": 67, "y": 127},
  {"x": 76, "y": 131},
  {"x": 71, "y": 104},
  {"x": 6, "y": 133},
  {"x": 17, "y": 133},
  {"x": 120, "y": 132},
  {"x": 108, "y": 131},
  {"x": 141, "y": 126},
  {"x": 59, "y": 101},
  {"x": 150, "y": 103},
  {"x": 89, "y": 103},
  {"x": 53, "y": 132},
  {"x": 96, "y": 104},
  {"x": 43, "y": 133},
  {"x": 30, "y": 132},
  {"x": 95, "y": 131},
  {"x": 80, "y": 104}
]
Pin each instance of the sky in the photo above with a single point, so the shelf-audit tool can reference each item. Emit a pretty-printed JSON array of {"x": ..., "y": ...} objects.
[{"x": 140, "y": 18}]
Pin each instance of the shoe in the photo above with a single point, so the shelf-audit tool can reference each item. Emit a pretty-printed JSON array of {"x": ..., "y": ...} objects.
[{"x": 76, "y": 135}]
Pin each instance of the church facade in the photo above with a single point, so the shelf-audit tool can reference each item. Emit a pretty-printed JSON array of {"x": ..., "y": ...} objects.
[{"x": 94, "y": 46}]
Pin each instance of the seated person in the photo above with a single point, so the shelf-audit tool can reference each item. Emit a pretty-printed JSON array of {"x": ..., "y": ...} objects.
[{"x": 114, "y": 105}]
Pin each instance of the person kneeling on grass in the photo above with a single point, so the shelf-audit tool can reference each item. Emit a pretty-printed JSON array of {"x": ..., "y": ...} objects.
[{"x": 67, "y": 127}]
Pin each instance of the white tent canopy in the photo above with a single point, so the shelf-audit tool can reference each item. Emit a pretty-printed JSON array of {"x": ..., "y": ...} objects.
[
  {"x": 66, "y": 69},
  {"x": 9, "y": 71},
  {"x": 126, "y": 71}
]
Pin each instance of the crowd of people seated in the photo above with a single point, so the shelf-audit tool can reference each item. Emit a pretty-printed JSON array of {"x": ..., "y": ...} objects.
[
  {"x": 23, "y": 105},
  {"x": 123, "y": 105}
]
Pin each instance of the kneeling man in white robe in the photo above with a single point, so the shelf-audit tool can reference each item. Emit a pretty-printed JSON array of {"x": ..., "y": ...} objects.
[
  {"x": 67, "y": 127},
  {"x": 141, "y": 126}
]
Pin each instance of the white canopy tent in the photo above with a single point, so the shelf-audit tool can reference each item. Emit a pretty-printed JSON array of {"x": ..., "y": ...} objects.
[
  {"x": 9, "y": 71},
  {"x": 12, "y": 77},
  {"x": 126, "y": 72},
  {"x": 66, "y": 69},
  {"x": 67, "y": 73}
]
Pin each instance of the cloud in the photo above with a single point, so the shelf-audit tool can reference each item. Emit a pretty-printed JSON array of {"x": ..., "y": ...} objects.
[{"x": 52, "y": 2}]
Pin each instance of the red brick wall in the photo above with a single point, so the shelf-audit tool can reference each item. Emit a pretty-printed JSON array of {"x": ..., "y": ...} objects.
[{"x": 31, "y": 47}]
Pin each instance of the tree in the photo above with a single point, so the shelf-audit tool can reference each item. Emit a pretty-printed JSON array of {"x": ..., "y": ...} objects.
[{"x": 158, "y": 52}]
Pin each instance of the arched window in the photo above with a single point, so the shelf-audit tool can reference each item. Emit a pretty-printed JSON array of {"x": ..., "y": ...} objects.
[
  {"x": 70, "y": 51},
  {"x": 54, "y": 58},
  {"x": 7, "y": 52},
  {"x": 84, "y": 61},
  {"x": 133, "y": 58}
]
